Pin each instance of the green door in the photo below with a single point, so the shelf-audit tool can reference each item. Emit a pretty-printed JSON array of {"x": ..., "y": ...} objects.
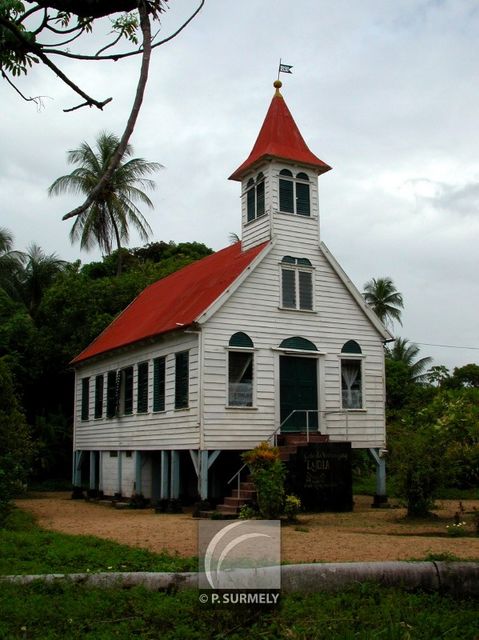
[{"x": 298, "y": 388}]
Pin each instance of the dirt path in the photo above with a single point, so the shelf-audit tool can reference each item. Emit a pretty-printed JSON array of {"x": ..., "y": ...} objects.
[{"x": 366, "y": 534}]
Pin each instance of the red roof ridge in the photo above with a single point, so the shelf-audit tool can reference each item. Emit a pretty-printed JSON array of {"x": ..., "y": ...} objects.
[
  {"x": 174, "y": 301},
  {"x": 279, "y": 137}
]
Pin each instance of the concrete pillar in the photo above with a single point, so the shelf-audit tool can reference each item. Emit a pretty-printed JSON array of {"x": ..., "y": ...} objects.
[
  {"x": 175, "y": 475},
  {"x": 203, "y": 474},
  {"x": 93, "y": 478},
  {"x": 165, "y": 476},
  {"x": 380, "y": 497},
  {"x": 119, "y": 472},
  {"x": 138, "y": 482}
]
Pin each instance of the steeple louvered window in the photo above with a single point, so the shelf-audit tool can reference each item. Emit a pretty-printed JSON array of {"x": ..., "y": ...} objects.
[
  {"x": 294, "y": 193},
  {"x": 297, "y": 283},
  {"x": 255, "y": 207}
]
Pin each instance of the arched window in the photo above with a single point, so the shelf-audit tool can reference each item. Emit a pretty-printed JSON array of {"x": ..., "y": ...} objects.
[
  {"x": 296, "y": 283},
  {"x": 351, "y": 376},
  {"x": 351, "y": 346},
  {"x": 255, "y": 207},
  {"x": 294, "y": 196},
  {"x": 240, "y": 370},
  {"x": 297, "y": 342}
]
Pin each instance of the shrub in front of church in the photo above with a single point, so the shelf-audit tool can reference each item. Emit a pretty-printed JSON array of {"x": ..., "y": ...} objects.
[{"x": 268, "y": 474}]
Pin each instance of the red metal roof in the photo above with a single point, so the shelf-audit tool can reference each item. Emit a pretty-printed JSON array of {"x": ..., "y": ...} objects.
[
  {"x": 175, "y": 301},
  {"x": 280, "y": 137}
]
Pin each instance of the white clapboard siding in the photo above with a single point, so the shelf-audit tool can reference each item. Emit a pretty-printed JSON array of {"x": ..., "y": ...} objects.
[
  {"x": 170, "y": 429},
  {"x": 255, "y": 309}
]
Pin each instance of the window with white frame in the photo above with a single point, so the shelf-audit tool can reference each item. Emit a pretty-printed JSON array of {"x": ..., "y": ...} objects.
[
  {"x": 240, "y": 370},
  {"x": 255, "y": 198},
  {"x": 294, "y": 193},
  {"x": 296, "y": 283},
  {"x": 351, "y": 376}
]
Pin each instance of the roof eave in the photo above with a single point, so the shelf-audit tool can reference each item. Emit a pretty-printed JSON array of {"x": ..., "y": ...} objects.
[{"x": 248, "y": 166}]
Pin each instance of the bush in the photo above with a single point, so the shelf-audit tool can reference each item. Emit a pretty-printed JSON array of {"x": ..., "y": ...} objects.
[
  {"x": 292, "y": 506},
  {"x": 268, "y": 474}
]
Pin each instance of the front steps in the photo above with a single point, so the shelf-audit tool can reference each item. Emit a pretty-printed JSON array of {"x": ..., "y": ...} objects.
[{"x": 288, "y": 444}]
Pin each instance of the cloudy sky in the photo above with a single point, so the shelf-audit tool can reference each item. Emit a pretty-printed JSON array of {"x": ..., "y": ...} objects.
[{"x": 386, "y": 92}]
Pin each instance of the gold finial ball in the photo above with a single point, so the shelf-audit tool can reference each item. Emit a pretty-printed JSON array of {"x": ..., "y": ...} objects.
[{"x": 277, "y": 84}]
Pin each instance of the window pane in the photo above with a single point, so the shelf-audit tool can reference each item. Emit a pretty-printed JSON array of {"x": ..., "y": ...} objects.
[
  {"x": 240, "y": 379},
  {"x": 289, "y": 289},
  {"x": 182, "y": 375},
  {"x": 99, "y": 396},
  {"x": 286, "y": 201},
  {"x": 260, "y": 199},
  {"x": 85, "y": 398},
  {"x": 305, "y": 290},
  {"x": 159, "y": 384},
  {"x": 142, "y": 391},
  {"x": 351, "y": 387},
  {"x": 127, "y": 383},
  {"x": 111, "y": 394},
  {"x": 302, "y": 199},
  {"x": 250, "y": 204}
]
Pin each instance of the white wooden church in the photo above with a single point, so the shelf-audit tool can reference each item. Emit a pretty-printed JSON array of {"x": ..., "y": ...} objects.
[{"x": 265, "y": 336}]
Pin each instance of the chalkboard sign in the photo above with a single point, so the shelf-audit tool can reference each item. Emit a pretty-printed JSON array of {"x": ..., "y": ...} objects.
[{"x": 320, "y": 474}]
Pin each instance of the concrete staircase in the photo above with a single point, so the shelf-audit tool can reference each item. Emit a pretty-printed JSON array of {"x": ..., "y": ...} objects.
[{"x": 288, "y": 445}]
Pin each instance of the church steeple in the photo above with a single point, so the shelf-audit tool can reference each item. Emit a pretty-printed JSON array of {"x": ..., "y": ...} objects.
[
  {"x": 279, "y": 180},
  {"x": 280, "y": 138}
]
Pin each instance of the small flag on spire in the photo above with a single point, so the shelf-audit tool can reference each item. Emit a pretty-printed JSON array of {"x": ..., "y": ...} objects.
[{"x": 285, "y": 68}]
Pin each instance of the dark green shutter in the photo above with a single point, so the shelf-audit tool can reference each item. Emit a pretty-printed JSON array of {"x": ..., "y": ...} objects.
[
  {"x": 240, "y": 339},
  {"x": 250, "y": 197},
  {"x": 286, "y": 197},
  {"x": 142, "y": 395},
  {"x": 303, "y": 207},
  {"x": 305, "y": 290},
  {"x": 297, "y": 342},
  {"x": 85, "y": 398},
  {"x": 159, "y": 384},
  {"x": 99, "y": 396},
  {"x": 288, "y": 288},
  {"x": 128, "y": 390},
  {"x": 111, "y": 394},
  {"x": 351, "y": 346},
  {"x": 260, "y": 199},
  {"x": 182, "y": 375}
]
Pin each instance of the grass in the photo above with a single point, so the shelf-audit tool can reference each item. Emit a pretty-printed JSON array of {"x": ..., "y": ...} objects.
[
  {"x": 25, "y": 548},
  {"x": 73, "y": 612}
]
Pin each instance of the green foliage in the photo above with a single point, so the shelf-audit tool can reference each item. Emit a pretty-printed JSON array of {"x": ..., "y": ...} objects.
[
  {"x": 292, "y": 507},
  {"x": 463, "y": 377},
  {"x": 417, "y": 462},
  {"x": 268, "y": 473},
  {"x": 384, "y": 299},
  {"x": 15, "y": 442},
  {"x": 366, "y": 611},
  {"x": 247, "y": 512}
]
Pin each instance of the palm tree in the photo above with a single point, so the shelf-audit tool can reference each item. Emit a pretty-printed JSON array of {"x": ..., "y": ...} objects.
[
  {"x": 106, "y": 221},
  {"x": 39, "y": 272},
  {"x": 384, "y": 299},
  {"x": 10, "y": 263},
  {"x": 407, "y": 352}
]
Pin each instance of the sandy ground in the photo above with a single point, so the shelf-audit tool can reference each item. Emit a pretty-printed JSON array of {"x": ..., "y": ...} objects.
[{"x": 366, "y": 534}]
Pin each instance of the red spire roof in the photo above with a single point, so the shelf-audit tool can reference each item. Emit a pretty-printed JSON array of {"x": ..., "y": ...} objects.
[
  {"x": 175, "y": 301},
  {"x": 280, "y": 138}
]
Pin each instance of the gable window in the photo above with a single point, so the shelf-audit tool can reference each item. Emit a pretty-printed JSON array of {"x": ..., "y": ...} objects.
[
  {"x": 85, "y": 398},
  {"x": 240, "y": 371},
  {"x": 351, "y": 376},
  {"x": 294, "y": 193},
  {"x": 296, "y": 283},
  {"x": 159, "y": 378},
  {"x": 182, "y": 379},
  {"x": 142, "y": 389},
  {"x": 126, "y": 391},
  {"x": 98, "y": 396},
  {"x": 112, "y": 384},
  {"x": 255, "y": 198}
]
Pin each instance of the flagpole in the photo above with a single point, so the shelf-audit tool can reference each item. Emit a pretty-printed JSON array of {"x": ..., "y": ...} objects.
[{"x": 279, "y": 68}]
